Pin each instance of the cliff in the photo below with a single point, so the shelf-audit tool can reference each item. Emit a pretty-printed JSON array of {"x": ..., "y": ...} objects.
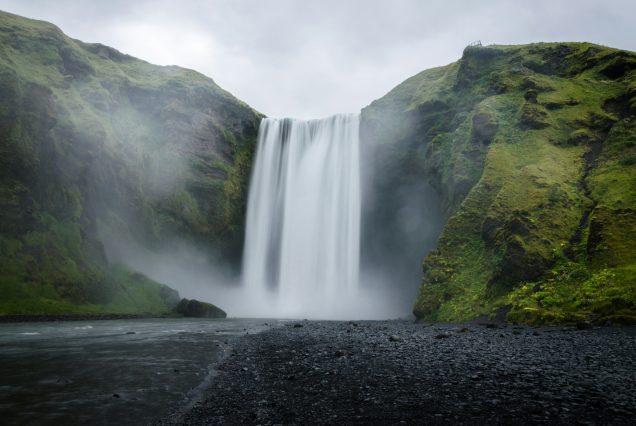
[
  {"x": 99, "y": 145},
  {"x": 532, "y": 151}
]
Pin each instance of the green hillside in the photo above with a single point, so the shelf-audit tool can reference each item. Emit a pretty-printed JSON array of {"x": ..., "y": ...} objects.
[
  {"x": 95, "y": 143},
  {"x": 532, "y": 150}
]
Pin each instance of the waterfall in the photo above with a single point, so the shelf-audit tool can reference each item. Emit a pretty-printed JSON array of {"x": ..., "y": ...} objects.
[{"x": 302, "y": 243}]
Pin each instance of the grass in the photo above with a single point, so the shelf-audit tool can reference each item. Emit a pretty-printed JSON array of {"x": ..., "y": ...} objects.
[
  {"x": 541, "y": 215},
  {"x": 135, "y": 294},
  {"x": 89, "y": 135}
]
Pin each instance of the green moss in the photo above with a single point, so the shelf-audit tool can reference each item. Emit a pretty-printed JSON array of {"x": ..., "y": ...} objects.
[
  {"x": 89, "y": 135},
  {"x": 573, "y": 293},
  {"x": 552, "y": 186},
  {"x": 133, "y": 294}
]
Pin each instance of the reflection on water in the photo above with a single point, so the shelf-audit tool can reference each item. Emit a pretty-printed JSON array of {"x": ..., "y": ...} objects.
[{"x": 108, "y": 372}]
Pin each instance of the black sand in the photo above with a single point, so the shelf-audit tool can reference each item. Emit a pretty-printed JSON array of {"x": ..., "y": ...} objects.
[{"x": 396, "y": 372}]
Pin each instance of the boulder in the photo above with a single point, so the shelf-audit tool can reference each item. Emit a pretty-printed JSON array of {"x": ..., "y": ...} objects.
[
  {"x": 196, "y": 309},
  {"x": 531, "y": 96}
]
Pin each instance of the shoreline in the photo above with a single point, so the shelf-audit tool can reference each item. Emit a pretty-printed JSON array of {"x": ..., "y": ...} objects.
[
  {"x": 17, "y": 318},
  {"x": 396, "y": 372}
]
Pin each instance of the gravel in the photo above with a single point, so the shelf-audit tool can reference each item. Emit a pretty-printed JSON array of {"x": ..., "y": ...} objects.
[{"x": 396, "y": 372}]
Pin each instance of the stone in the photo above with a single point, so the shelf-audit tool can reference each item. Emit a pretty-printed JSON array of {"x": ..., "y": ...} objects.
[
  {"x": 197, "y": 309},
  {"x": 531, "y": 96}
]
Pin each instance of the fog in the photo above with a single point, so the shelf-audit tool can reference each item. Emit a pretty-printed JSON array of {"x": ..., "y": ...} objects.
[
  {"x": 292, "y": 239},
  {"x": 187, "y": 270}
]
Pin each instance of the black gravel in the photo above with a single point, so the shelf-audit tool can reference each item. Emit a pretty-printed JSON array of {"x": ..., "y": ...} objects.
[{"x": 396, "y": 372}]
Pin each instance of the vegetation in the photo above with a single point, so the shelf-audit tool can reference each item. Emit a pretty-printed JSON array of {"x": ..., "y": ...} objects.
[
  {"x": 532, "y": 150},
  {"x": 96, "y": 144}
]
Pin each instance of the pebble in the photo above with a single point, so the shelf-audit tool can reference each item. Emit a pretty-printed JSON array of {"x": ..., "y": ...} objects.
[{"x": 481, "y": 377}]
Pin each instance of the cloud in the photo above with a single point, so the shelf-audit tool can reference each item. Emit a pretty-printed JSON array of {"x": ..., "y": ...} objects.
[{"x": 315, "y": 58}]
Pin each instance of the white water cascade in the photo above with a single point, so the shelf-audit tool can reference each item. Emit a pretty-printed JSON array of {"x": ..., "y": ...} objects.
[{"x": 302, "y": 243}]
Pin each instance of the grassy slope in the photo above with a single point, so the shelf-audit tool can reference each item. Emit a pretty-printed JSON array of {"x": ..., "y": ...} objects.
[
  {"x": 92, "y": 138},
  {"x": 532, "y": 149}
]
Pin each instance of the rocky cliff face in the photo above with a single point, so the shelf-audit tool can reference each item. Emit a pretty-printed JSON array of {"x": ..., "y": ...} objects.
[
  {"x": 532, "y": 151},
  {"x": 97, "y": 144}
]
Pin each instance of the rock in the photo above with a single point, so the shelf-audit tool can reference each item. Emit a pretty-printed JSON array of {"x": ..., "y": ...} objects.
[
  {"x": 395, "y": 338},
  {"x": 442, "y": 336},
  {"x": 341, "y": 353},
  {"x": 197, "y": 309},
  {"x": 622, "y": 64},
  {"x": 583, "y": 325},
  {"x": 522, "y": 261},
  {"x": 530, "y": 96}
]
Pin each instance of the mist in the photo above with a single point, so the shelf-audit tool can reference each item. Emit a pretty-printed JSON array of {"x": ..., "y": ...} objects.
[
  {"x": 399, "y": 219},
  {"x": 190, "y": 272}
]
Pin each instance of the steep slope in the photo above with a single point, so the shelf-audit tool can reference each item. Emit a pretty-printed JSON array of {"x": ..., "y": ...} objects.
[
  {"x": 96, "y": 144},
  {"x": 532, "y": 150}
]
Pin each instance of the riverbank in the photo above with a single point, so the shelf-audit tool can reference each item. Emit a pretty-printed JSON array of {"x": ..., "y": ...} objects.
[
  {"x": 393, "y": 372},
  {"x": 75, "y": 317}
]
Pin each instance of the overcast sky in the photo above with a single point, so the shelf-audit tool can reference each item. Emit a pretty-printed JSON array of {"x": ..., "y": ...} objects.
[{"x": 315, "y": 58}]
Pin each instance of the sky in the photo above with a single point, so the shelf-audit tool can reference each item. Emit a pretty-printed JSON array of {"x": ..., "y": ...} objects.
[{"x": 310, "y": 59}]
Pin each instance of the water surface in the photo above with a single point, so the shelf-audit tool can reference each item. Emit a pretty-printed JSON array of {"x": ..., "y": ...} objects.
[{"x": 109, "y": 372}]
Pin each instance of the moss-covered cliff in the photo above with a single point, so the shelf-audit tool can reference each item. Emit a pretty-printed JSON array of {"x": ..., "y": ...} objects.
[
  {"x": 532, "y": 150},
  {"x": 96, "y": 143}
]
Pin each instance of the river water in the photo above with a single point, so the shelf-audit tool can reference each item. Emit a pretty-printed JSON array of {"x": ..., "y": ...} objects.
[{"x": 109, "y": 372}]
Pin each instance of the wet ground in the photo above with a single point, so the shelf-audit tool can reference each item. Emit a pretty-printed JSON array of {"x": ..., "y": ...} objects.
[
  {"x": 397, "y": 372},
  {"x": 127, "y": 372}
]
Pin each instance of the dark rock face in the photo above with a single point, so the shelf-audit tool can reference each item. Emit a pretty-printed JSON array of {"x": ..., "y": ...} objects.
[
  {"x": 619, "y": 66},
  {"x": 530, "y": 96},
  {"x": 197, "y": 309},
  {"x": 520, "y": 262}
]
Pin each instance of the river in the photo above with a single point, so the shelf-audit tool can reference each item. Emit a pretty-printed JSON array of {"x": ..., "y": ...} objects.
[{"x": 112, "y": 371}]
